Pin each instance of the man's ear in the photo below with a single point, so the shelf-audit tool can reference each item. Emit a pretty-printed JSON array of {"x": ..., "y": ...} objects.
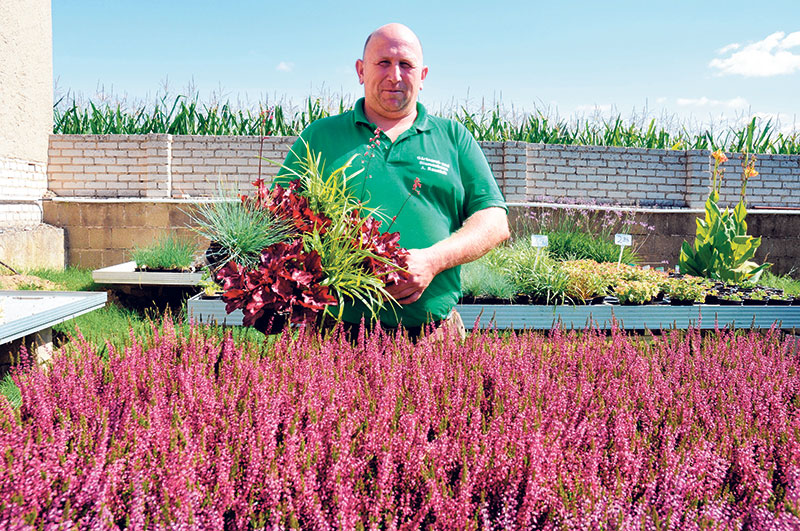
[
  {"x": 360, "y": 70},
  {"x": 423, "y": 74}
]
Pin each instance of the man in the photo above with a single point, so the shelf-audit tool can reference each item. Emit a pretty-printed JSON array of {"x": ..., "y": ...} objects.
[{"x": 459, "y": 213}]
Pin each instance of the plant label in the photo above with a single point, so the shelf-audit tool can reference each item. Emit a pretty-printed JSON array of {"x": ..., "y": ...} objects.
[
  {"x": 624, "y": 240},
  {"x": 539, "y": 240}
]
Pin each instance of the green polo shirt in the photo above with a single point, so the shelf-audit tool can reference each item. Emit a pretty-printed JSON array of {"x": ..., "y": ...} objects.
[{"x": 456, "y": 183}]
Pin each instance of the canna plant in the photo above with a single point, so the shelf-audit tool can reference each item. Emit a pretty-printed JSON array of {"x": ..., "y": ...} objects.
[{"x": 722, "y": 248}]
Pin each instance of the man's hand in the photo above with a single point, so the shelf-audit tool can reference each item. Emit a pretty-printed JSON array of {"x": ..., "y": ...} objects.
[
  {"x": 481, "y": 232},
  {"x": 422, "y": 268}
]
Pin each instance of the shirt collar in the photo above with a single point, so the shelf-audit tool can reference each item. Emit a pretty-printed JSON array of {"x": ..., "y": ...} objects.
[{"x": 421, "y": 123}]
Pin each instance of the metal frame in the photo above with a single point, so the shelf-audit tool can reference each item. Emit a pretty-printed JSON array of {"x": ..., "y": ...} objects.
[
  {"x": 126, "y": 273},
  {"x": 602, "y": 316},
  {"x": 59, "y": 306},
  {"x": 651, "y": 317}
]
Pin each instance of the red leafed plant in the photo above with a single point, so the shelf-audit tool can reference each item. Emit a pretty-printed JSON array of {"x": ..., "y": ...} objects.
[
  {"x": 336, "y": 253},
  {"x": 287, "y": 281}
]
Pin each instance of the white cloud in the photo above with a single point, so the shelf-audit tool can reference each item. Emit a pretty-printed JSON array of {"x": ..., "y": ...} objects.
[
  {"x": 283, "y": 66},
  {"x": 661, "y": 100},
  {"x": 768, "y": 57},
  {"x": 733, "y": 103},
  {"x": 729, "y": 48}
]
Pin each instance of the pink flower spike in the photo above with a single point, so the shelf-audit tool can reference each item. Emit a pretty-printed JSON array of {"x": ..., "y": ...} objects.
[{"x": 417, "y": 185}]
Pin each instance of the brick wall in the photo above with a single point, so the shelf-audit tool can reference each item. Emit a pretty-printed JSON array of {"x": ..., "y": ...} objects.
[
  {"x": 201, "y": 164},
  {"x": 166, "y": 166},
  {"x": 23, "y": 185},
  {"x": 109, "y": 165}
]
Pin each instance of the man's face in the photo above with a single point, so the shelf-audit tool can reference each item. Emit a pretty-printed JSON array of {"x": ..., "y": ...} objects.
[{"x": 392, "y": 75}]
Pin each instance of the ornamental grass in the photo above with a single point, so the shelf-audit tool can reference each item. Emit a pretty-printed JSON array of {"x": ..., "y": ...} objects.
[{"x": 501, "y": 431}]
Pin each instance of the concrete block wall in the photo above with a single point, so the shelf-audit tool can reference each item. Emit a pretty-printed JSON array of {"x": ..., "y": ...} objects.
[
  {"x": 183, "y": 167},
  {"x": 23, "y": 185},
  {"x": 101, "y": 233}
]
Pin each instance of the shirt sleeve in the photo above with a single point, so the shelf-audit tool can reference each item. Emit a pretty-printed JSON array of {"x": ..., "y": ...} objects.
[
  {"x": 480, "y": 187},
  {"x": 291, "y": 163}
]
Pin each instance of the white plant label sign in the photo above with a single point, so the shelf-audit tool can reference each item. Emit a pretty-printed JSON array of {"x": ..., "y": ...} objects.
[
  {"x": 624, "y": 240},
  {"x": 539, "y": 240}
]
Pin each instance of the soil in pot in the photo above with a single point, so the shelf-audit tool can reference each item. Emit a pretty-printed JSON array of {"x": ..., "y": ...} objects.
[
  {"x": 681, "y": 302},
  {"x": 778, "y": 302},
  {"x": 469, "y": 299}
]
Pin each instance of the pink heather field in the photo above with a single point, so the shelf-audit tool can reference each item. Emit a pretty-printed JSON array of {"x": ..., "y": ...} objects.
[{"x": 561, "y": 430}]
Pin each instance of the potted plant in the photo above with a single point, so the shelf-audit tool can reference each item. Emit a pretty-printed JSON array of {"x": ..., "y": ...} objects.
[
  {"x": 685, "y": 290},
  {"x": 756, "y": 297},
  {"x": 585, "y": 284},
  {"x": 731, "y": 299},
  {"x": 169, "y": 261},
  {"x": 722, "y": 248},
  {"x": 635, "y": 291},
  {"x": 168, "y": 253}
]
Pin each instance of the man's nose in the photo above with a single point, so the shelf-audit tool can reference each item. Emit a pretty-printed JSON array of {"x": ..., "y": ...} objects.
[{"x": 394, "y": 72}]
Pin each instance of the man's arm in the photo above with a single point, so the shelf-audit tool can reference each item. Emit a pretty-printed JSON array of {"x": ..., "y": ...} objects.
[{"x": 481, "y": 232}]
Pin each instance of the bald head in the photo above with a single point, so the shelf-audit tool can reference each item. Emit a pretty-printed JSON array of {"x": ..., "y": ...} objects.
[
  {"x": 392, "y": 73},
  {"x": 395, "y": 31}
]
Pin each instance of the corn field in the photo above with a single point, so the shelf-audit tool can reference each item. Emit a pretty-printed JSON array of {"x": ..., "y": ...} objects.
[{"x": 185, "y": 116}]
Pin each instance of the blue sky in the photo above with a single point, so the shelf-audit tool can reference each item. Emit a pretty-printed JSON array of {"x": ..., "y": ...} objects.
[{"x": 690, "y": 62}]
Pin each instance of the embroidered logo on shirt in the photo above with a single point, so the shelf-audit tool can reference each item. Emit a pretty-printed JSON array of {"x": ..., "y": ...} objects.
[{"x": 433, "y": 165}]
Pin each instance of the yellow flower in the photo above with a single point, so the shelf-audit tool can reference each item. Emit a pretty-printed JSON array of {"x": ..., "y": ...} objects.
[
  {"x": 719, "y": 156},
  {"x": 750, "y": 171}
]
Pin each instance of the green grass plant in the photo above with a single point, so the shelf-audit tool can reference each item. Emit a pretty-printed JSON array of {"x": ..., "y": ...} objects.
[
  {"x": 342, "y": 257},
  {"x": 168, "y": 252},
  {"x": 241, "y": 232},
  {"x": 789, "y": 285},
  {"x": 185, "y": 115},
  {"x": 572, "y": 245},
  {"x": 479, "y": 279},
  {"x": 71, "y": 278}
]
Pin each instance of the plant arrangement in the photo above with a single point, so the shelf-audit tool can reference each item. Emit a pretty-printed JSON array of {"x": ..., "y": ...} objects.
[
  {"x": 722, "y": 248},
  {"x": 334, "y": 254},
  {"x": 524, "y": 431},
  {"x": 168, "y": 253}
]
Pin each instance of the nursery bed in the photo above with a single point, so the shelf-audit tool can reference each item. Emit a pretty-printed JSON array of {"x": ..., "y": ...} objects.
[
  {"x": 519, "y": 316},
  {"x": 126, "y": 273},
  {"x": 652, "y": 317}
]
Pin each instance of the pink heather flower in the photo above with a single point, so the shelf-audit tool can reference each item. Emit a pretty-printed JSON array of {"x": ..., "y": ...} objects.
[{"x": 417, "y": 185}]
